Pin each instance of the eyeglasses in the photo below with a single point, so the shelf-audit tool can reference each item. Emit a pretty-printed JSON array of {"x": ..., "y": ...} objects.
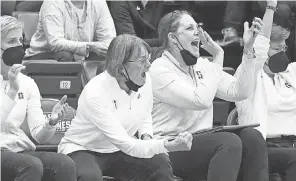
[{"x": 142, "y": 61}]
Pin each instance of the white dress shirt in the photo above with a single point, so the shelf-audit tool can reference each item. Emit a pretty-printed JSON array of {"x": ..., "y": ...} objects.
[
  {"x": 184, "y": 101},
  {"x": 26, "y": 105},
  {"x": 108, "y": 118}
]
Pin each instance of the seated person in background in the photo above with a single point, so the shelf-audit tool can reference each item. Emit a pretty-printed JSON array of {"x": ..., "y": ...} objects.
[
  {"x": 234, "y": 14},
  {"x": 138, "y": 18},
  {"x": 70, "y": 28},
  {"x": 21, "y": 100},
  {"x": 113, "y": 107},
  {"x": 273, "y": 100},
  {"x": 184, "y": 86}
]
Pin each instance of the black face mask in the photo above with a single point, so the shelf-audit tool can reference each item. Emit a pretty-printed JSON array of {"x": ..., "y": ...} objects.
[
  {"x": 131, "y": 84},
  {"x": 278, "y": 62},
  {"x": 188, "y": 58},
  {"x": 13, "y": 55}
]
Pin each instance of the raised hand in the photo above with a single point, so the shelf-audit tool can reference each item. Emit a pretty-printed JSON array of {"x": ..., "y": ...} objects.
[
  {"x": 250, "y": 33},
  {"x": 13, "y": 81},
  {"x": 59, "y": 111},
  {"x": 182, "y": 142},
  {"x": 208, "y": 43}
]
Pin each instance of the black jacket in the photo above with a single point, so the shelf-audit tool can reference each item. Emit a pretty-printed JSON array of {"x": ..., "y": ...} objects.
[{"x": 130, "y": 17}]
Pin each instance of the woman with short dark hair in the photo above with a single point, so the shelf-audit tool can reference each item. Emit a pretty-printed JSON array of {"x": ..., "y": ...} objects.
[{"x": 112, "y": 132}]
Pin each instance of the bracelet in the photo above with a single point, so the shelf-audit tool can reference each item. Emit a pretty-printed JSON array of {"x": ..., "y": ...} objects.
[
  {"x": 247, "y": 52},
  {"x": 272, "y": 8},
  {"x": 87, "y": 49}
]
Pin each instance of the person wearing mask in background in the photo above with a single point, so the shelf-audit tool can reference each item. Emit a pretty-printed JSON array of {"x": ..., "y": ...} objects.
[
  {"x": 21, "y": 100},
  {"x": 70, "y": 30},
  {"x": 273, "y": 100},
  {"x": 184, "y": 86},
  {"x": 112, "y": 108}
]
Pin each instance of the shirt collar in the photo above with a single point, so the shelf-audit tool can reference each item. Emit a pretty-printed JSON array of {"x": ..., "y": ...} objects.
[
  {"x": 172, "y": 59},
  {"x": 114, "y": 84}
]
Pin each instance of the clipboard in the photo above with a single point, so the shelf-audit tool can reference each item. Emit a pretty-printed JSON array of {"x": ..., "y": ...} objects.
[{"x": 230, "y": 128}]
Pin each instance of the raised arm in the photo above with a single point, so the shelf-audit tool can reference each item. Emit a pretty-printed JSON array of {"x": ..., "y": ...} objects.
[
  {"x": 8, "y": 102},
  {"x": 246, "y": 110}
]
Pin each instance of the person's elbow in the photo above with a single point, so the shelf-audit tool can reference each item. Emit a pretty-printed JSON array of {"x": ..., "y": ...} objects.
[
  {"x": 202, "y": 103},
  {"x": 54, "y": 45},
  {"x": 242, "y": 95}
]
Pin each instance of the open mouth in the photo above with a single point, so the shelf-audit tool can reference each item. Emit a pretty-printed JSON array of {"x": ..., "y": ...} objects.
[{"x": 195, "y": 43}]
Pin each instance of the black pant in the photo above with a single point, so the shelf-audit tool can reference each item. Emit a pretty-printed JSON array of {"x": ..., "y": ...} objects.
[
  {"x": 223, "y": 157},
  {"x": 91, "y": 166},
  {"x": 283, "y": 162},
  {"x": 37, "y": 166}
]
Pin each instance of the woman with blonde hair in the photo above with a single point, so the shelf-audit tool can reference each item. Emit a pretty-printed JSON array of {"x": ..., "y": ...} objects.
[
  {"x": 184, "y": 86},
  {"x": 20, "y": 100}
]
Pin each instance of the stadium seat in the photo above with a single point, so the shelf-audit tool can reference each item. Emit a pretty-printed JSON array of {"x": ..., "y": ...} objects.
[
  {"x": 56, "y": 79},
  {"x": 30, "y": 22},
  {"x": 91, "y": 69},
  {"x": 63, "y": 125},
  {"x": 221, "y": 107}
]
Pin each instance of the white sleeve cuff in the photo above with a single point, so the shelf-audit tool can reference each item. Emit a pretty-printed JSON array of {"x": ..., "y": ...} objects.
[{"x": 49, "y": 127}]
